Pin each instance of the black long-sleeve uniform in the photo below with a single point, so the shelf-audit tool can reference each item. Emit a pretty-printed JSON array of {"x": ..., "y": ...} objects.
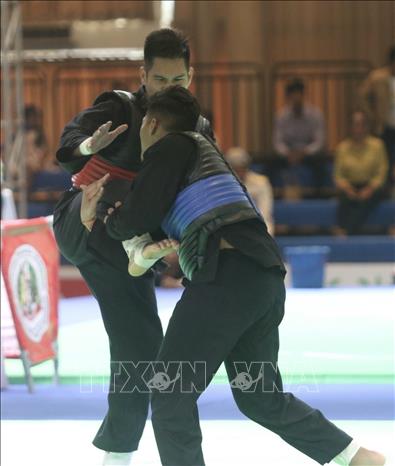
[
  {"x": 86, "y": 123},
  {"x": 166, "y": 165},
  {"x": 230, "y": 312},
  {"x": 127, "y": 304}
]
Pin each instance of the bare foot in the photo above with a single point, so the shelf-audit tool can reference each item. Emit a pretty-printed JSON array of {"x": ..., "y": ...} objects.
[
  {"x": 365, "y": 457},
  {"x": 160, "y": 249},
  {"x": 154, "y": 251}
]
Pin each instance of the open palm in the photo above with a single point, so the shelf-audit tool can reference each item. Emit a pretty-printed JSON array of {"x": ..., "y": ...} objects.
[{"x": 103, "y": 137}]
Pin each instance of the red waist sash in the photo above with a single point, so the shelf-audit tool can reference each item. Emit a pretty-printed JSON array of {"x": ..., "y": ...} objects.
[{"x": 96, "y": 168}]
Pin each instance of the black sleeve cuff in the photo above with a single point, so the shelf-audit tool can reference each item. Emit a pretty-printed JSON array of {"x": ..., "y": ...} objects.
[{"x": 65, "y": 154}]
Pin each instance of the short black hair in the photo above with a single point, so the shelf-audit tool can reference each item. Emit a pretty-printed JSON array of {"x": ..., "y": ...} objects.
[
  {"x": 294, "y": 85},
  {"x": 391, "y": 54},
  {"x": 176, "y": 108},
  {"x": 166, "y": 43}
]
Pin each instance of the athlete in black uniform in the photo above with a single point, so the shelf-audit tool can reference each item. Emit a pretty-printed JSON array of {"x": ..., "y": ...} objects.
[
  {"x": 127, "y": 304},
  {"x": 234, "y": 298}
]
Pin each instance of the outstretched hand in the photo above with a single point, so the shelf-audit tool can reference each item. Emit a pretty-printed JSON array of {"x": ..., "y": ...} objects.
[
  {"x": 90, "y": 197},
  {"x": 103, "y": 137}
]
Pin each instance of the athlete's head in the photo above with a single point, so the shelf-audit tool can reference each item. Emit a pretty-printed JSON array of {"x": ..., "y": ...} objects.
[
  {"x": 166, "y": 61},
  {"x": 170, "y": 110}
]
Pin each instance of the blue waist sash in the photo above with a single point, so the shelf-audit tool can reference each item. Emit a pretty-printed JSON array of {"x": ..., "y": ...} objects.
[{"x": 200, "y": 198}]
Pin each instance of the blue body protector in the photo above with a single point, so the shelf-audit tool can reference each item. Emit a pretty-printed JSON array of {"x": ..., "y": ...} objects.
[{"x": 211, "y": 198}]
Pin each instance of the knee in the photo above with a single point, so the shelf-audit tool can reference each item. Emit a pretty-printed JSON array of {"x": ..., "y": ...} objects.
[
  {"x": 244, "y": 403},
  {"x": 259, "y": 406}
]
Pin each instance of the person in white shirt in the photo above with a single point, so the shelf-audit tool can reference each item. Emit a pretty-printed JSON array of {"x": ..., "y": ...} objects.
[
  {"x": 299, "y": 138},
  {"x": 257, "y": 185}
]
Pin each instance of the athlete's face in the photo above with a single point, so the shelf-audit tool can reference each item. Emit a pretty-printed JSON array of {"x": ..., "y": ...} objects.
[{"x": 166, "y": 72}]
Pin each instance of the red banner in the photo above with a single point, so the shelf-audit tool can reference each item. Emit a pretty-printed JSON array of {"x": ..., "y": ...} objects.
[
  {"x": 9, "y": 341},
  {"x": 30, "y": 268}
]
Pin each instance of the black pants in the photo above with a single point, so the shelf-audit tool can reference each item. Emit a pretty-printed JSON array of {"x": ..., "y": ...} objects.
[
  {"x": 234, "y": 319},
  {"x": 129, "y": 312},
  {"x": 352, "y": 214}
]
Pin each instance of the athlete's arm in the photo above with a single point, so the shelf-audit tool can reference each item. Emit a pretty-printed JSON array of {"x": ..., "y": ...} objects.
[
  {"x": 82, "y": 127},
  {"x": 154, "y": 189}
]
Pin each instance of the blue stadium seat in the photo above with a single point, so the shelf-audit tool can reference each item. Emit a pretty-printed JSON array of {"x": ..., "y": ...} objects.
[
  {"x": 50, "y": 181},
  {"x": 322, "y": 213},
  {"x": 375, "y": 248},
  {"x": 40, "y": 209}
]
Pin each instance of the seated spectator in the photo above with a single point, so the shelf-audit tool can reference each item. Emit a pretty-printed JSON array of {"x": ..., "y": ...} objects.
[
  {"x": 299, "y": 136},
  {"x": 257, "y": 185},
  {"x": 38, "y": 157},
  {"x": 361, "y": 168},
  {"x": 44, "y": 178},
  {"x": 378, "y": 99}
]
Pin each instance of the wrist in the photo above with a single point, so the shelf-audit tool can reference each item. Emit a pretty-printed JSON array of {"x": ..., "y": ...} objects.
[
  {"x": 85, "y": 147},
  {"x": 88, "y": 224}
]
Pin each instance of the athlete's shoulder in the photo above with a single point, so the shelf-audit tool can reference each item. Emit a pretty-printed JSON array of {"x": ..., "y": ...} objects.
[
  {"x": 120, "y": 98},
  {"x": 203, "y": 126},
  {"x": 179, "y": 140}
]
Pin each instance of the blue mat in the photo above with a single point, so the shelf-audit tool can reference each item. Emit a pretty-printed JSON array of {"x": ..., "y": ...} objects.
[{"x": 336, "y": 401}]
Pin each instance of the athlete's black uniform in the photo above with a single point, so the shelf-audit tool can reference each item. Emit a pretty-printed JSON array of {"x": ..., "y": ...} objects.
[
  {"x": 127, "y": 304},
  {"x": 231, "y": 307}
]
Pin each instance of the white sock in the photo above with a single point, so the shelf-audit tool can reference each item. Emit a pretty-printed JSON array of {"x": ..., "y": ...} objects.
[
  {"x": 344, "y": 458},
  {"x": 117, "y": 459}
]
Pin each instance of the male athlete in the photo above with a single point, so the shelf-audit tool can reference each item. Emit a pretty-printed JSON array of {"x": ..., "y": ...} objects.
[
  {"x": 105, "y": 139},
  {"x": 234, "y": 297}
]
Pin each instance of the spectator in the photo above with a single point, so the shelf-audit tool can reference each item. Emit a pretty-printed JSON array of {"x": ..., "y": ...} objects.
[
  {"x": 361, "y": 168},
  {"x": 35, "y": 145},
  {"x": 378, "y": 97},
  {"x": 39, "y": 158},
  {"x": 257, "y": 185},
  {"x": 43, "y": 171},
  {"x": 33, "y": 118},
  {"x": 299, "y": 137}
]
